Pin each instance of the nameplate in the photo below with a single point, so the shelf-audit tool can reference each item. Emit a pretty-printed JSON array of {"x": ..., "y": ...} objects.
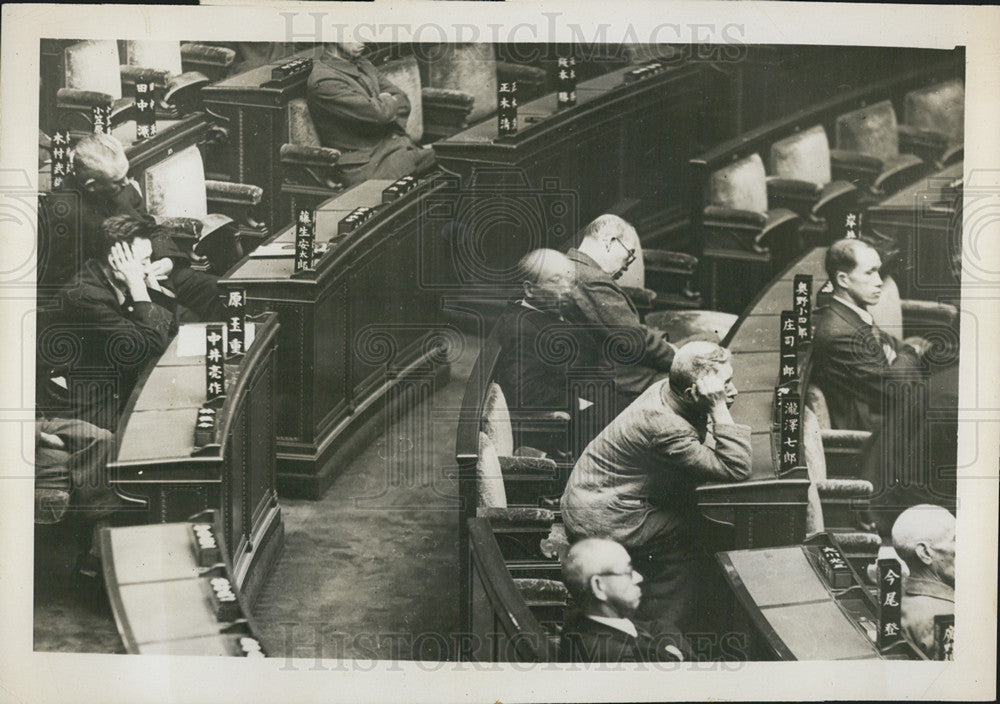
[
  {"x": 60, "y": 157},
  {"x": 101, "y": 115},
  {"x": 565, "y": 81},
  {"x": 802, "y": 307},
  {"x": 354, "y": 219},
  {"x": 852, "y": 224},
  {"x": 835, "y": 568},
  {"x": 206, "y": 545},
  {"x": 215, "y": 377},
  {"x": 224, "y": 601},
  {"x": 507, "y": 108},
  {"x": 646, "y": 70},
  {"x": 236, "y": 323},
  {"x": 790, "y": 436},
  {"x": 890, "y": 590},
  {"x": 145, "y": 109},
  {"x": 788, "y": 370},
  {"x": 305, "y": 239},
  {"x": 944, "y": 637},
  {"x": 399, "y": 188},
  {"x": 290, "y": 71}
]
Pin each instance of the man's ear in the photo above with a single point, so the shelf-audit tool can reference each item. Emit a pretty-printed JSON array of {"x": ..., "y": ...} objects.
[
  {"x": 923, "y": 553},
  {"x": 597, "y": 588},
  {"x": 90, "y": 183},
  {"x": 529, "y": 289},
  {"x": 840, "y": 279}
]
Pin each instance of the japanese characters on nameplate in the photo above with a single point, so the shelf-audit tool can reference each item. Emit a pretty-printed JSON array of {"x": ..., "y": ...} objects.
[
  {"x": 215, "y": 378},
  {"x": 102, "y": 119},
  {"x": 305, "y": 239},
  {"x": 235, "y": 323},
  {"x": 802, "y": 305},
  {"x": 506, "y": 108},
  {"x": 60, "y": 157},
  {"x": 566, "y": 81},
  {"x": 890, "y": 590},
  {"x": 788, "y": 345},
  {"x": 145, "y": 109}
]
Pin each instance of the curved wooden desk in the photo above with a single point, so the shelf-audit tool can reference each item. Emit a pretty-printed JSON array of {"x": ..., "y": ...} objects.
[
  {"x": 158, "y": 469},
  {"x": 360, "y": 333}
]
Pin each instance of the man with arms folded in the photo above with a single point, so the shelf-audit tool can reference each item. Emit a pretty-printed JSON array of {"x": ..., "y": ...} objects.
[{"x": 635, "y": 483}]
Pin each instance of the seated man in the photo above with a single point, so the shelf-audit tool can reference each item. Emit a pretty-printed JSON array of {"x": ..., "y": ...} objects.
[
  {"x": 97, "y": 188},
  {"x": 599, "y": 576},
  {"x": 635, "y": 483},
  {"x": 363, "y": 115},
  {"x": 851, "y": 355},
  {"x": 643, "y": 355},
  {"x": 924, "y": 537},
  {"x": 120, "y": 316}
]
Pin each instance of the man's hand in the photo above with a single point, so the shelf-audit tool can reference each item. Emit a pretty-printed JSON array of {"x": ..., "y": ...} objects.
[
  {"x": 157, "y": 271},
  {"x": 127, "y": 269},
  {"x": 710, "y": 392},
  {"x": 53, "y": 441}
]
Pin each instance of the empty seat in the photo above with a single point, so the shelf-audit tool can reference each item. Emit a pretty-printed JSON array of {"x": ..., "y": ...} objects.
[
  {"x": 934, "y": 122},
  {"x": 867, "y": 150}
]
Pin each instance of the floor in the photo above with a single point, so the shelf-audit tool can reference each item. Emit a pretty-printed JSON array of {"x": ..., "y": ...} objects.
[{"x": 369, "y": 571}]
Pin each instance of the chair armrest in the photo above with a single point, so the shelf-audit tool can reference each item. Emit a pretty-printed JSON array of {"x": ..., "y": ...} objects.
[
  {"x": 727, "y": 217},
  {"x": 662, "y": 260},
  {"x": 447, "y": 97},
  {"x": 528, "y": 465},
  {"x": 532, "y": 81},
  {"x": 197, "y": 54},
  {"x": 81, "y": 103},
  {"x": 183, "y": 226},
  {"x": 302, "y": 155},
  {"x": 836, "y": 195},
  {"x": 542, "y": 420},
  {"x": 844, "y": 488},
  {"x": 854, "y": 167},
  {"x": 900, "y": 173},
  {"x": 445, "y": 112},
  {"x": 791, "y": 187},
  {"x": 238, "y": 193},
  {"x": 928, "y": 144},
  {"x": 518, "y": 517},
  {"x": 136, "y": 74},
  {"x": 641, "y": 297},
  {"x": 541, "y": 589},
  {"x": 922, "y": 314},
  {"x": 953, "y": 155},
  {"x": 844, "y": 440}
]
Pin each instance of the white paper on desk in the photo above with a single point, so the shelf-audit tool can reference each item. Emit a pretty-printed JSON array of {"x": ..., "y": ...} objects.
[
  {"x": 281, "y": 250},
  {"x": 191, "y": 339}
]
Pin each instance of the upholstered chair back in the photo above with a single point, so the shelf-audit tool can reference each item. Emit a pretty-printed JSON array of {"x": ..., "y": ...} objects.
[
  {"x": 489, "y": 479},
  {"x": 405, "y": 74},
  {"x": 93, "y": 65},
  {"x": 804, "y": 156},
  {"x": 301, "y": 128},
  {"x": 815, "y": 403},
  {"x": 496, "y": 421},
  {"x": 471, "y": 68},
  {"x": 871, "y": 130},
  {"x": 176, "y": 186},
  {"x": 741, "y": 185},
  {"x": 162, "y": 55},
  {"x": 940, "y": 107}
]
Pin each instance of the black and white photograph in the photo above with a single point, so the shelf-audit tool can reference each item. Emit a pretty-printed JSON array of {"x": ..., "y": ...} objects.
[{"x": 500, "y": 352}]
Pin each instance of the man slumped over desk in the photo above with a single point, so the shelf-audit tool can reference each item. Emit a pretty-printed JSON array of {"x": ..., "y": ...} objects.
[{"x": 635, "y": 483}]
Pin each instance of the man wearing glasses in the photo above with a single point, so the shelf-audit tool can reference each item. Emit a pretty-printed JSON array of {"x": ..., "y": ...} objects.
[
  {"x": 599, "y": 575},
  {"x": 640, "y": 355}
]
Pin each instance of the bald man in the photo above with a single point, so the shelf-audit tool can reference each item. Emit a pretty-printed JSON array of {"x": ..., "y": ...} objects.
[
  {"x": 605, "y": 587},
  {"x": 924, "y": 537},
  {"x": 635, "y": 482},
  {"x": 540, "y": 348},
  {"x": 602, "y": 255}
]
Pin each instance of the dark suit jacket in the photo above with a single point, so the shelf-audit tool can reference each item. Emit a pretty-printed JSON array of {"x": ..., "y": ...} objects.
[
  {"x": 586, "y": 641},
  {"x": 343, "y": 98},
  {"x": 642, "y": 355},
  {"x": 849, "y": 365},
  {"x": 112, "y": 342}
]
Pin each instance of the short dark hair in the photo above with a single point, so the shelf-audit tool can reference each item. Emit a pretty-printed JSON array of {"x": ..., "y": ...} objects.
[
  {"x": 125, "y": 228},
  {"x": 843, "y": 256}
]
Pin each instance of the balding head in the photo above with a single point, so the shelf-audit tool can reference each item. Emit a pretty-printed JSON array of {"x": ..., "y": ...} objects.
[
  {"x": 599, "y": 575},
  {"x": 547, "y": 277},
  {"x": 924, "y": 536},
  {"x": 99, "y": 163},
  {"x": 696, "y": 360},
  {"x": 606, "y": 240}
]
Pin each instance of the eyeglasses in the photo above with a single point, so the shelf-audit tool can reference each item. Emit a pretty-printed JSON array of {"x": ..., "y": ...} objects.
[
  {"x": 631, "y": 252},
  {"x": 628, "y": 573}
]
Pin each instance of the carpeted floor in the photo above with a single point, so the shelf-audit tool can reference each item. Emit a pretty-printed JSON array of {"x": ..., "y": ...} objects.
[{"x": 370, "y": 571}]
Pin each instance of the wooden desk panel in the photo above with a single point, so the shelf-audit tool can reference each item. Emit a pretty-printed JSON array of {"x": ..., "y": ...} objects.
[
  {"x": 155, "y": 468},
  {"x": 353, "y": 330}
]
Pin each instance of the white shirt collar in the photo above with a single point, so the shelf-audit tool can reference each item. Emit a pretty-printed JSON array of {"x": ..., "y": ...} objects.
[
  {"x": 525, "y": 303},
  {"x": 862, "y": 313},
  {"x": 621, "y": 624}
]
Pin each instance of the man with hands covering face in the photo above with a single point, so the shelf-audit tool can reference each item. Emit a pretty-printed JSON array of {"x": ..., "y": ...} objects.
[{"x": 635, "y": 483}]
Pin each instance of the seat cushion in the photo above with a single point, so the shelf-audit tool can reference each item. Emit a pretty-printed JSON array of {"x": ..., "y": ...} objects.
[
  {"x": 405, "y": 75},
  {"x": 870, "y": 130},
  {"x": 741, "y": 186},
  {"x": 93, "y": 65},
  {"x": 155, "y": 54},
  {"x": 940, "y": 107},
  {"x": 471, "y": 68},
  {"x": 804, "y": 156},
  {"x": 176, "y": 186},
  {"x": 496, "y": 421},
  {"x": 489, "y": 480},
  {"x": 301, "y": 130}
]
